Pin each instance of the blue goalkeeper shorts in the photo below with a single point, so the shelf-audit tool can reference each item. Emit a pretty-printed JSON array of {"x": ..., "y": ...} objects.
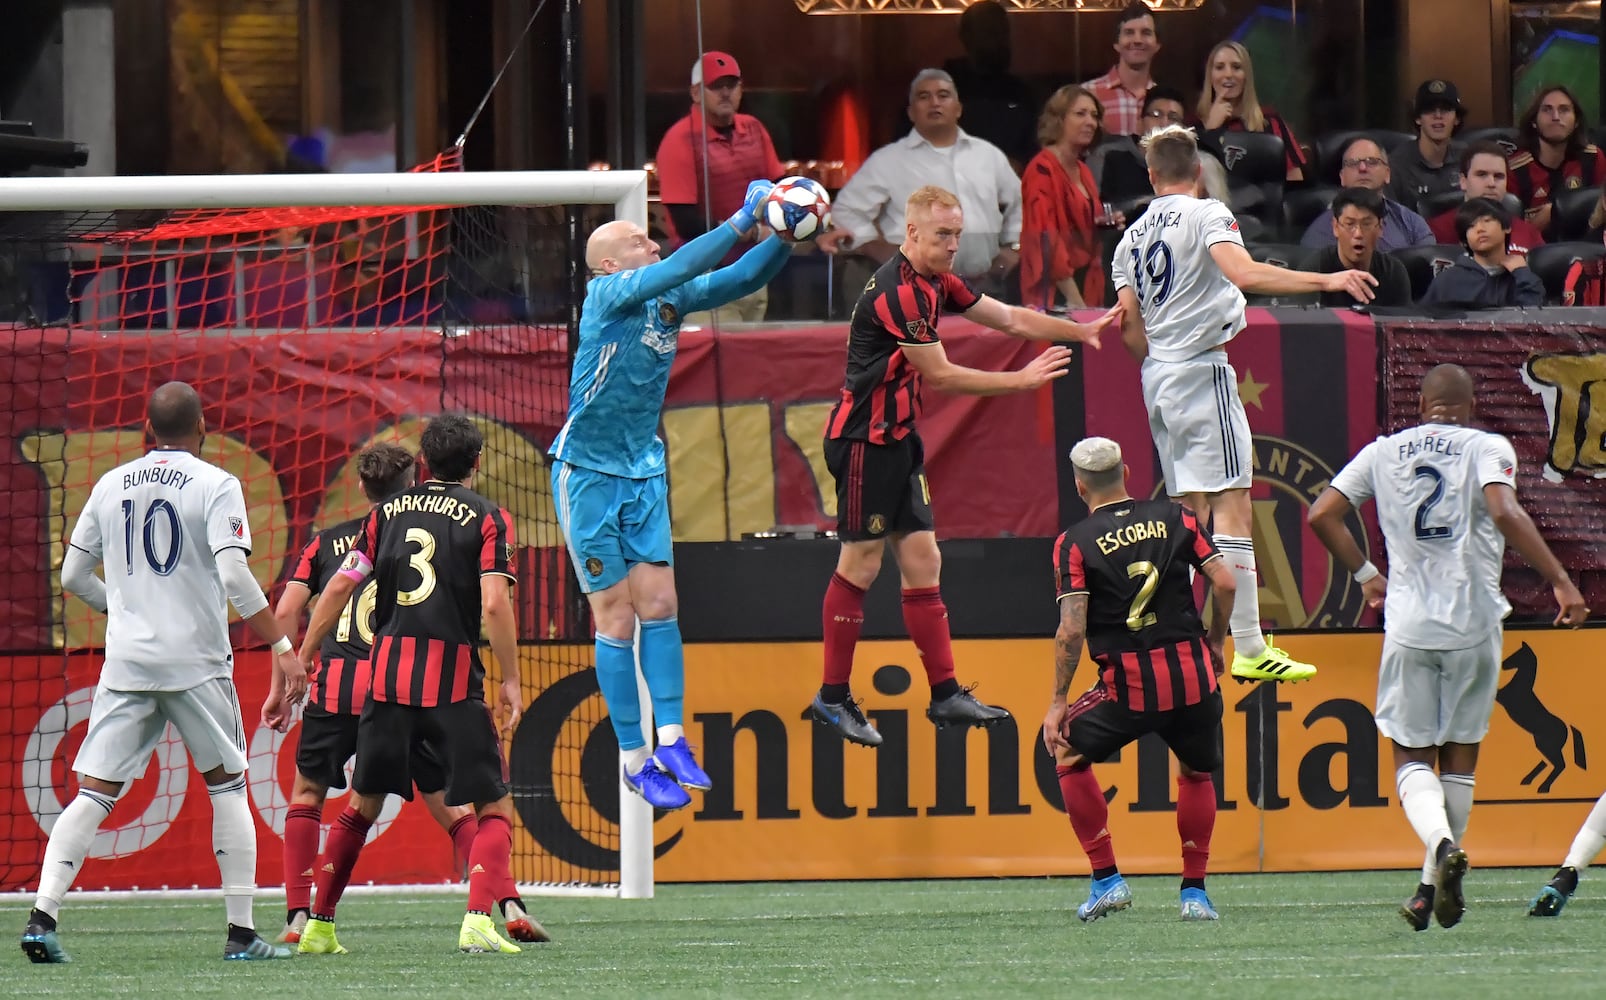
[{"x": 611, "y": 523}]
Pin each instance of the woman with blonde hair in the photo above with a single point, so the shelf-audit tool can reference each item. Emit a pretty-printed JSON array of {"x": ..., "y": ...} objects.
[
  {"x": 1060, "y": 206},
  {"x": 1228, "y": 103}
]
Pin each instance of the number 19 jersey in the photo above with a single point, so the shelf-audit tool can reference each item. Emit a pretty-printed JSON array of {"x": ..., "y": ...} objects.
[
  {"x": 1444, "y": 551},
  {"x": 1188, "y": 305}
]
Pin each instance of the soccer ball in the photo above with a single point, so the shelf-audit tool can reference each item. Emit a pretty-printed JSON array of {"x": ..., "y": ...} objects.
[{"x": 798, "y": 208}]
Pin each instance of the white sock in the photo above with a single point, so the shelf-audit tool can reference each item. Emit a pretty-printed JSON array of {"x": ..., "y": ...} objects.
[
  {"x": 1245, "y": 619},
  {"x": 1423, "y": 799},
  {"x": 636, "y": 759},
  {"x": 234, "y": 842},
  {"x": 70, "y": 840},
  {"x": 669, "y": 734},
  {"x": 1457, "y": 803},
  {"x": 1591, "y": 838}
]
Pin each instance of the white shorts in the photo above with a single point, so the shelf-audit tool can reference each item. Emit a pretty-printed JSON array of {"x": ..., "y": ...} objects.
[
  {"x": 1430, "y": 697},
  {"x": 124, "y": 727},
  {"x": 1200, "y": 429}
]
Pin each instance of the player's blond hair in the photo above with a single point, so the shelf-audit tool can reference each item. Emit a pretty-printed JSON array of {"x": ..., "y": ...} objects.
[
  {"x": 1172, "y": 154},
  {"x": 927, "y": 198}
]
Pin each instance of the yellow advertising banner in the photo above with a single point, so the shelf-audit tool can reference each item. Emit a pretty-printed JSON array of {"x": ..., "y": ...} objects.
[{"x": 1307, "y": 783}]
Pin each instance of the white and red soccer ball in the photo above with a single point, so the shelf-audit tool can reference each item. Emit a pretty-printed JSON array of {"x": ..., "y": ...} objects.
[{"x": 798, "y": 208}]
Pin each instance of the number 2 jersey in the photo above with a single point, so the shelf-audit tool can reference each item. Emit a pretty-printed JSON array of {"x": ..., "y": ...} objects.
[
  {"x": 1132, "y": 560},
  {"x": 1444, "y": 551},
  {"x": 157, "y": 524},
  {"x": 1188, "y": 305},
  {"x": 429, "y": 546},
  {"x": 340, "y": 684}
]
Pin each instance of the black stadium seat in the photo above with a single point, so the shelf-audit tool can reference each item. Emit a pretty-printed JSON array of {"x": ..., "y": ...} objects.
[
  {"x": 1572, "y": 211},
  {"x": 1422, "y": 263},
  {"x": 1436, "y": 204},
  {"x": 1551, "y": 262},
  {"x": 1289, "y": 255},
  {"x": 1506, "y": 136},
  {"x": 1303, "y": 204},
  {"x": 1250, "y": 228},
  {"x": 1329, "y": 149},
  {"x": 1256, "y": 171}
]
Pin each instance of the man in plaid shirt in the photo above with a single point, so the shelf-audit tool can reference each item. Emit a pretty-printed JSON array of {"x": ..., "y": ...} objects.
[{"x": 1122, "y": 89}]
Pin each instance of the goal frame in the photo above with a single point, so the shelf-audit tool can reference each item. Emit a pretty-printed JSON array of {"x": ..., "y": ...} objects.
[{"x": 623, "y": 190}]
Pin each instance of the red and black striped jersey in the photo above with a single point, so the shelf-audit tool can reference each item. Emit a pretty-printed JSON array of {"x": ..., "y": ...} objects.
[
  {"x": 881, "y": 393},
  {"x": 429, "y": 547},
  {"x": 340, "y": 683},
  {"x": 1131, "y": 559},
  {"x": 1535, "y": 184}
]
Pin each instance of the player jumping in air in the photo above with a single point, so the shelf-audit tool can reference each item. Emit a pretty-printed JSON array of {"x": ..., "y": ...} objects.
[
  {"x": 608, "y": 471},
  {"x": 1178, "y": 270},
  {"x": 1447, "y": 505}
]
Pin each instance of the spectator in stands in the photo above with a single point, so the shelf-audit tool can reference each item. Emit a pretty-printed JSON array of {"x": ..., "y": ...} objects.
[
  {"x": 1366, "y": 165},
  {"x": 1118, "y": 166},
  {"x": 1000, "y": 107},
  {"x": 1121, "y": 91},
  {"x": 1556, "y": 156},
  {"x": 1483, "y": 175},
  {"x": 1229, "y": 104},
  {"x": 868, "y": 212},
  {"x": 1431, "y": 165},
  {"x": 1061, "y": 254},
  {"x": 1488, "y": 275},
  {"x": 718, "y": 142},
  {"x": 1357, "y": 223}
]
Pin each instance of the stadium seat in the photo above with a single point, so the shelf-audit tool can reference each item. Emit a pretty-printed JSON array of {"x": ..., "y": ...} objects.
[
  {"x": 1256, "y": 171},
  {"x": 1250, "y": 228},
  {"x": 1597, "y": 135},
  {"x": 1552, "y": 261},
  {"x": 1435, "y": 204},
  {"x": 1422, "y": 263},
  {"x": 1329, "y": 149},
  {"x": 1572, "y": 213},
  {"x": 1303, "y": 204},
  {"x": 1289, "y": 255},
  {"x": 1506, "y": 136}
]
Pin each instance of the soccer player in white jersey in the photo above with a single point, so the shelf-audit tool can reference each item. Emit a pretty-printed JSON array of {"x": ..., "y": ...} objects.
[
  {"x": 1447, "y": 505},
  {"x": 171, "y": 531},
  {"x": 1180, "y": 271}
]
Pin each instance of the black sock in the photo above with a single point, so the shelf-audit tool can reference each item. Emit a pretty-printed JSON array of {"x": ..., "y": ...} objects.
[
  {"x": 944, "y": 689},
  {"x": 833, "y": 694},
  {"x": 244, "y": 935},
  {"x": 1566, "y": 880},
  {"x": 43, "y": 919},
  {"x": 1103, "y": 873},
  {"x": 1426, "y": 891},
  {"x": 511, "y": 899},
  {"x": 290, "y": 915},
  {"x": 1193, "y": 883}
]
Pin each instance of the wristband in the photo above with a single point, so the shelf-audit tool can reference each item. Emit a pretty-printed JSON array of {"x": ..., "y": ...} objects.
[
  {"x": 282, "y": 645},
  {"x": 1366, "y": 572}
]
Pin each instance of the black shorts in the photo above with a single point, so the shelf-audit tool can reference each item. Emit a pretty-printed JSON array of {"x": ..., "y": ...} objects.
[
  {"x": 1099, "y": 726},
  {"x": 881, "y": 489},
  {"x": 390, "y": 738},
  {"x": 328, "y": 740}
]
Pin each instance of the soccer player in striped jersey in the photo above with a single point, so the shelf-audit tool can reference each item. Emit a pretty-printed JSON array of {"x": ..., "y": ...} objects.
[
  {"x": 1125, "y": 588},
  {"x": 337, "y": 691},
  {"x": 878, "y": 461},
  {"x": 442, "y": 556},
  {"x": 172, "y": 533}
]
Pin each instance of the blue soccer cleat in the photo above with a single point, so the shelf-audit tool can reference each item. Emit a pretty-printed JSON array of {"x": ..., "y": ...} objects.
[
  {"x": 1106, "y": 896},
  {"x": 657, "y": 786},
  {"x": 1196, "y": 906},
  {"x": 253, "y": 949},
  {"x": 677, "y": 759},
  {"x": 39, "y": 943},
  {"x": 1555, "y": 894}
]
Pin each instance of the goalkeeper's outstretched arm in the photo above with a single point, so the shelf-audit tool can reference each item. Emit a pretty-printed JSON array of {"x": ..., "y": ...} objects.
[{"x": 756, "y": 268}]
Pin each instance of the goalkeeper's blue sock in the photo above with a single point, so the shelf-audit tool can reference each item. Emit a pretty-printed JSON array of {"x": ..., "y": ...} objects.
[
  {"x": 663, "y": 663},
  {"x": 616, "y": 676}
]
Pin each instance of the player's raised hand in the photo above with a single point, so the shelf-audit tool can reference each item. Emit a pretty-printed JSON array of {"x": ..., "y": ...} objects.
[
  {"x": 1374, "y": 591},
  {"x": 1572, "y": 613},
  {"x": 1358, "y": 284},
  {"x": 1054, "y": 728},
  {"x": 752, "y": 205},
  {"x": 1046, "y": 367},
  {"x": 512, "y": 705},
  {"x": 1089, "y": 333}
]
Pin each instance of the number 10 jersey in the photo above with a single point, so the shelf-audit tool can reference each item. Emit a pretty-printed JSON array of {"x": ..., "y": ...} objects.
[{"x": 1188, "y": 305}]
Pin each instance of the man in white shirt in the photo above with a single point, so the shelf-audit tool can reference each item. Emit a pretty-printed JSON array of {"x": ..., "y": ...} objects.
[
  {"x": 867, "y": 214},
  {"x": 1447, "y": 505},
  {"x": 172, "y": 533}
]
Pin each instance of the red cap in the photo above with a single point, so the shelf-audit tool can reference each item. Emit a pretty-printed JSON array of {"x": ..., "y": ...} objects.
[{"x": 714, "y": 65}]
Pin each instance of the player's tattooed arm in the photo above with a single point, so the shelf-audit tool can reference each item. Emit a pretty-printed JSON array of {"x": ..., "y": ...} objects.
[{"x": 1068, "y": 640}]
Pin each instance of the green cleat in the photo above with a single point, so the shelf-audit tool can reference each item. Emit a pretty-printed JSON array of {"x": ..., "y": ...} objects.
[
  {"x": 39, "y": 943},
  {"x": 1271, "y": 665},
  {"x": 478, "y": 936},
  {"x": 253, "y": 949},
  {"x": 318, "y": 938}
]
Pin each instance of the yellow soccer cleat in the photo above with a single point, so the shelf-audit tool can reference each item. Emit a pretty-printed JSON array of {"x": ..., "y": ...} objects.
[
  {"x": 318, "y": 938},
  {"x": 479, "y": 936},
  {"x": 1271, "y": 665}
]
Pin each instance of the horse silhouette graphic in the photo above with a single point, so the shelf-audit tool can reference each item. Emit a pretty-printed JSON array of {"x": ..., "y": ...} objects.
[{"x": 1550, "y": 731}]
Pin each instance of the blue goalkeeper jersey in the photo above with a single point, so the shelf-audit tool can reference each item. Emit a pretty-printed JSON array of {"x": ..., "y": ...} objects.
[{"x": 629, "y": 332}]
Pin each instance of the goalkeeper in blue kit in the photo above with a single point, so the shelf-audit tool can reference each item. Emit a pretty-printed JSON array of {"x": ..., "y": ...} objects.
[{"x": 608, "y": 472}]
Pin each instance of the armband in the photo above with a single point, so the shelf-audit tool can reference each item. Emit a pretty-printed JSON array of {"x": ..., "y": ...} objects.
[
  {"x": 356, "y": 567},
  {"x": 1366, "y": 572},
  {"x": 282, "y": 645}
]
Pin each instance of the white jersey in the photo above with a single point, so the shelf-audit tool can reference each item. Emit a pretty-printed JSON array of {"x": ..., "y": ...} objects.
[
  {"x": 1188, "y": 305},
  {"x": 1444, "y": 551},
  {"x": 156, "y": 524}
]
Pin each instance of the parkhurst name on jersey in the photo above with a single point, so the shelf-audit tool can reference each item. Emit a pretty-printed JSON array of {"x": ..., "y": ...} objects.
[{"x": 429, "y": 503}]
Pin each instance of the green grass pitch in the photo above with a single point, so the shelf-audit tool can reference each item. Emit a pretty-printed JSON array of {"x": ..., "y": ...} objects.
[{"x": 1304, "y": 937}]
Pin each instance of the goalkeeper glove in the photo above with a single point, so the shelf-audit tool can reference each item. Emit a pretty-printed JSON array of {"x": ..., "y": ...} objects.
[{"x": 747, "y": 215}]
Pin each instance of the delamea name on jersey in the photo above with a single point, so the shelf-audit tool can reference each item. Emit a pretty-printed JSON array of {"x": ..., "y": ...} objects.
[{"x": 1154, "y": 220}]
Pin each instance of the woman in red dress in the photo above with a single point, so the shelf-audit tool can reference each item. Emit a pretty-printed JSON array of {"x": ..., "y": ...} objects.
[
  {"x": 1060, "y": 256},
  {"x": 1229, "y": 103}
]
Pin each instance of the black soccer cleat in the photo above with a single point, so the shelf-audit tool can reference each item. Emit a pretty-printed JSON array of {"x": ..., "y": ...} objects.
[
  {"x": 40, "y": 944},
  {"x": 1418, "y": 910},
  {"x": 962, "y": 709},
  {"x": 1449, "y": 905},
  {"x": 1555, "y": 893},
  {"x": 846, "y": 718}
]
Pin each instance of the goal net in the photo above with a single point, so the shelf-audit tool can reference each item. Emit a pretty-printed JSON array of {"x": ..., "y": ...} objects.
[{"x": 315, "y": 314}]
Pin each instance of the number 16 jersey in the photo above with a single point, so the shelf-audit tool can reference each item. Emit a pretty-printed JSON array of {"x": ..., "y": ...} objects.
[{"x": 1188, "y": 305}]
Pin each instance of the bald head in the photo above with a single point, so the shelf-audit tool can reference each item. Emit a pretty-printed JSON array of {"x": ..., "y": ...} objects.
[
  {"x": 619, "y": 245},
  {"x": 1447, "y": 393},
  {"x": 174, "y": 413}
]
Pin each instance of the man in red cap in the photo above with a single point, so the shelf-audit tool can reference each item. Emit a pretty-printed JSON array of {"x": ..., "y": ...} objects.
[{"x": 705, "y": 161}]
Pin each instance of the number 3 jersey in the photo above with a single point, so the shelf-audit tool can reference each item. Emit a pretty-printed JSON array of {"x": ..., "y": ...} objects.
[
  {"x": 1444, "y": 551},
  {"x": 429, "y": 546},
  {"x": 1188, "y": 305},
  {"x": 156, "y": 524},
  {"x": 1132, "y": 560},
  {"x": 340, "y": 683}
]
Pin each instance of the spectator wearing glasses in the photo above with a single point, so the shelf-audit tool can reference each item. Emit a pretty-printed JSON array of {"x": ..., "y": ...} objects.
[
  {"x": 1488, "y": 275},
  {"x": 1365, "y": 165},
  {"x": 1556, "y": 156},
  {"x": 1357, "y": 223},
  {"x": 1229, "y": 103},
  {"x": 1121, "y": 91},
  {"x": 1431, "y": 165},
  {"x": 1483, "y": 175},
  {"x": 1060, "y": 254},
  {"x": 1118, "y": 165}
]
